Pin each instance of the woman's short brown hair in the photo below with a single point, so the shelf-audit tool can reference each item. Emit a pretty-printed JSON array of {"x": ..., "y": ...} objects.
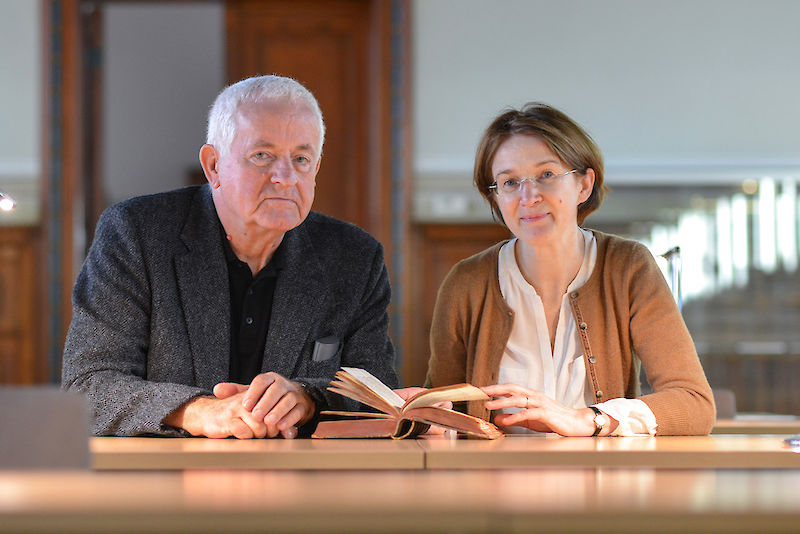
[{"x": 565, "y": 138}]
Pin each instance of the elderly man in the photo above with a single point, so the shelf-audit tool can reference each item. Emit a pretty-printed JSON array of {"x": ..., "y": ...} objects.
[{"x": 225, "y": 310}]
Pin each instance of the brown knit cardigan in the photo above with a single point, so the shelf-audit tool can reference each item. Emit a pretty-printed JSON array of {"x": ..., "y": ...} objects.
[{"x": 625, "y": 314}]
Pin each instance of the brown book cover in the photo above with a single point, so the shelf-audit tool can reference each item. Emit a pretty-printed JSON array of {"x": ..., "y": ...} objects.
[{"x": 398, "y": 418}]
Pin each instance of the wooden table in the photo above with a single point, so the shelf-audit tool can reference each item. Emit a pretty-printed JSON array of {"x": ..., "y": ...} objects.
[
  {"x": 202, "y": 453},
  {"x": 401, "y": 501},
  {"x": 766, "y": 425},
  {"x": 675, "y": 452}
]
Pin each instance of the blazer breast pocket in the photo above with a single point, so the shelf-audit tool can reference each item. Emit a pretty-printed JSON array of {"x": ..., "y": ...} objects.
[{"x": 326, "y": 348}]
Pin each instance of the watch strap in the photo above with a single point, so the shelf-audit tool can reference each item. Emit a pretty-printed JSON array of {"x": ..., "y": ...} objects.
[{"x": 597, "y": 427}]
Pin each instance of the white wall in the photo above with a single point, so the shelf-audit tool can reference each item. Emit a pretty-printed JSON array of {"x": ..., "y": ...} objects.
[
  {"x": 164, "y": 64},
  {"x": 672, "y": 90},
  {"x": 20, "y": 107},
  {"x": 679, "y": 90}
]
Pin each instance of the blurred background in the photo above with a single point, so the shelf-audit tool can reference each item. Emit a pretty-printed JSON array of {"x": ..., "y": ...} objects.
[{"x": 692, "y": 102}]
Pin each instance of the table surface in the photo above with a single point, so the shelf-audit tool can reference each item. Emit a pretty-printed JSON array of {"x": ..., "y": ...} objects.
[
  {"x": 469, "y": 501},
  {"x": 674, "y": 452},
  {"x": 751, "y": 425},
  {"x": 514, "y": 484},
  {"x": 436, "y": 452},
  {"x": 194, "y": 453}
]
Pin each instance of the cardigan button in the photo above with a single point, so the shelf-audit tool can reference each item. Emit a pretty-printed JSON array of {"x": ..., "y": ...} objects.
[
  {"x": 599, "y": 394},
  {"x": 583, "y": 326},
  {"x": 592, "y": 359}
]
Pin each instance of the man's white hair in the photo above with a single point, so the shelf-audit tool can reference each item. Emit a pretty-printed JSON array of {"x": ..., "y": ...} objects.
[{"x": 222, "y": 117}]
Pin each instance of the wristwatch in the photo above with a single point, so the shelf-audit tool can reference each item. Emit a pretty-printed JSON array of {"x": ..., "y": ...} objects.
[{"x": 600, "y": 420}]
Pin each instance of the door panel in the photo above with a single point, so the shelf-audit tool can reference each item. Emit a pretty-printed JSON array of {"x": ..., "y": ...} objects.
[{"x": 324, "y": 46}]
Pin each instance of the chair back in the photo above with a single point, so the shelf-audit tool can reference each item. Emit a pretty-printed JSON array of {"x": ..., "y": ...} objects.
[{"x": 43, "y": 427}]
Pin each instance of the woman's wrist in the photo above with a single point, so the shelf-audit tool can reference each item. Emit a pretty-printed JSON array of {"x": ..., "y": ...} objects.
[{"x": 599, "y": 422}]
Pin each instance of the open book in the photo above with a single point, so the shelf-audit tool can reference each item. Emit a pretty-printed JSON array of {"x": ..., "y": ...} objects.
[{"x": 398, "y": 418}]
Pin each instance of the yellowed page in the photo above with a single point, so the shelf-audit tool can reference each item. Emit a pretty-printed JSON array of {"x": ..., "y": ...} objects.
[
  {"x": 380, "y": 389},
  {"x": 454, "y": 393}
]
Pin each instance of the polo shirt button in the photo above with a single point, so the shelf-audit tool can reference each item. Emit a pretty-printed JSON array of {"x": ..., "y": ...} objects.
[
  {"x": 592, "y": 359},
  {"x": 599, "y": 394}
]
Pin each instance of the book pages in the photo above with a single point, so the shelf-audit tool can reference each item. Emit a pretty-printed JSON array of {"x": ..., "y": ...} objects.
[
  {"x": 454, "y": 393},
  {"x": 381, "y": 389}
]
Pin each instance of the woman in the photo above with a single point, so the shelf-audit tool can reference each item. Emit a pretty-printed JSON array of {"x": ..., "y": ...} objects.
[{"x": 554, "y": 323}]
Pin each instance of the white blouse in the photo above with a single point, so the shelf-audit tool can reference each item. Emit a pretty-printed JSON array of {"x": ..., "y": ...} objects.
[{"x": 559, "y": 373}]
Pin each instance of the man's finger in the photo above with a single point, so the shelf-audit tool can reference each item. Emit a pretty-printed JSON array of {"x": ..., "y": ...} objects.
[
  {"x": 268, "y": 401},
  {"x": 257, "y": 387},
  {"x": 257, "y": 427},
  {"x": 289, "y": 433},
  {"x": 291, "y": 419},
  {"x": 281, "y": 408},
  {"x": 240, "y": 430},
  {"x": 223, "y": 390}
]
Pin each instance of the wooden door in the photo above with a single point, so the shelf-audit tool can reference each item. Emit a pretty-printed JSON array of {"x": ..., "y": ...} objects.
[
  {"x": 341, "y": 52},
  {"x": 437, "y": 248},
  {"x": 20, "y": 319}
]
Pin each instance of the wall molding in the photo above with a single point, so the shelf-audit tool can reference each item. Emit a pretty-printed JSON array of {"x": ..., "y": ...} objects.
[{"x": 25, "y": 189}]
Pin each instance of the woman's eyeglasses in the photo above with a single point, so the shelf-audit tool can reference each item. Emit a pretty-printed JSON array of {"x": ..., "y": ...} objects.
[{"x": 511, "y": 186}]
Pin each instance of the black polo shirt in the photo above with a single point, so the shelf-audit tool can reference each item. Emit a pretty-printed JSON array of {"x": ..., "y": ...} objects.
[{"x": 251, "y": 309}]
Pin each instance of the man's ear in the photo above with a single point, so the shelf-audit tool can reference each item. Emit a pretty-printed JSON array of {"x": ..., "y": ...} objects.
[
  {"x": 209, "y": 160},
  {"x": 587, "y": 185}
]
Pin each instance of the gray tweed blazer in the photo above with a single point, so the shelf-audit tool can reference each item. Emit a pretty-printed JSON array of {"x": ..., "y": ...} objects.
[{"x": 151, "y": 310}]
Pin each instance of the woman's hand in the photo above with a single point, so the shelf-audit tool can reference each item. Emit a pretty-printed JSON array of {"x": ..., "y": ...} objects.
[
  {"x": 407, "y": 393},
  {"x": 539, "y": 412}
]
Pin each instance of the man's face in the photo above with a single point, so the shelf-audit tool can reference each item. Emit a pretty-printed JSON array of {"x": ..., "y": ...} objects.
[{"x": 266, "y": 180}]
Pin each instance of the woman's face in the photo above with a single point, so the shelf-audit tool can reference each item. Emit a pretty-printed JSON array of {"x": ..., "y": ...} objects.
[{"x": 538, "y": 213}]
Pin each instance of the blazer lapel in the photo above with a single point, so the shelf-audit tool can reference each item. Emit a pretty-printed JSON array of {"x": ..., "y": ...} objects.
[
  {"x": 204, "y": 291},
  {"x": 300, "y": 295}
]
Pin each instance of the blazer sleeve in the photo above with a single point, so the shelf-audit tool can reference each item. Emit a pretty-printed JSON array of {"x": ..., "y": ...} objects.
[
  {"x": 366, "y": 344},
  {"x": 682, "y": 401},
  {"x": 105, "y": 353}
]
